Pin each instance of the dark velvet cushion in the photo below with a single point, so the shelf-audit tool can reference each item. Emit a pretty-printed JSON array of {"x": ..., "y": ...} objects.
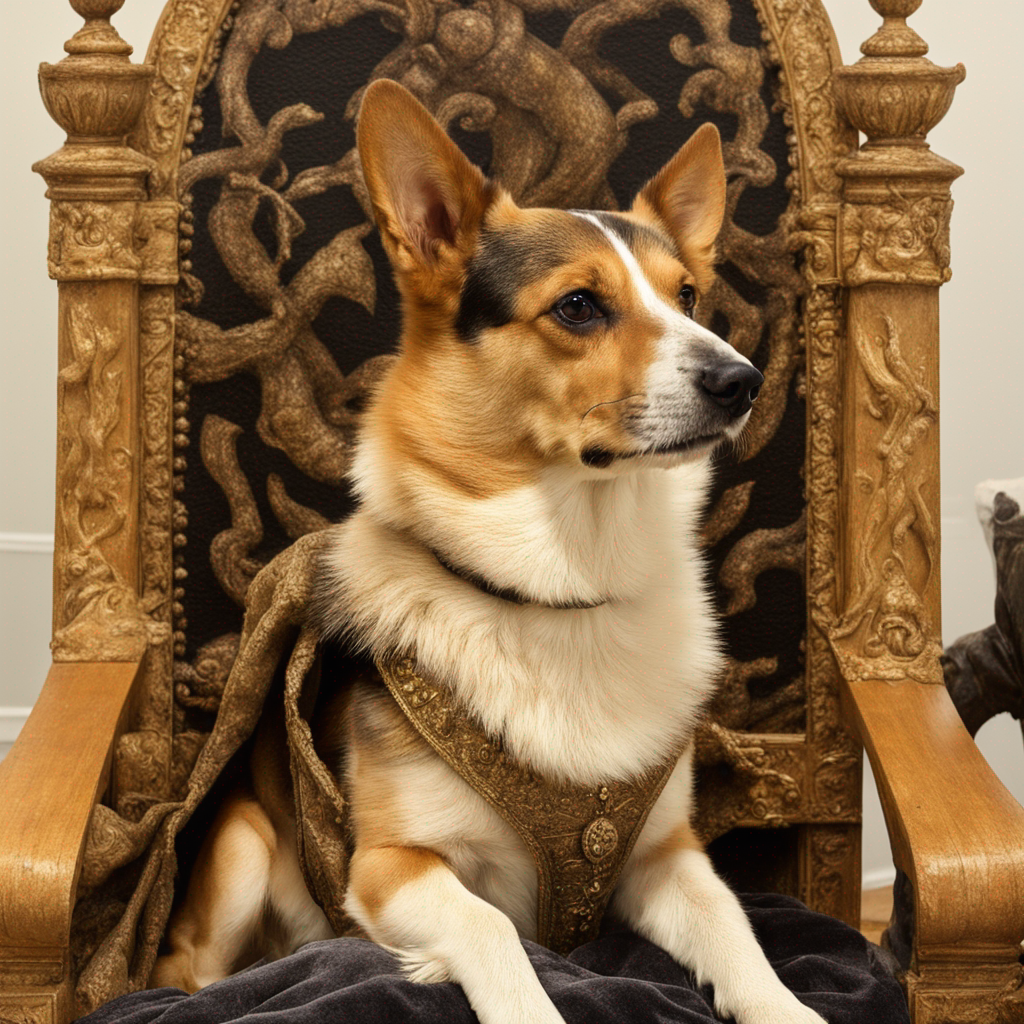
[{"x": 618, "y": 977}]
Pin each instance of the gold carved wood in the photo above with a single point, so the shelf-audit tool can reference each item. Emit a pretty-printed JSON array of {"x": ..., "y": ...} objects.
[
  {"x": 893, "y": 255},
  {"x": 114, "y": 248},
  {"x": 96, "y": 184},
  {"x": 962, "y": 864},
  {"x": 113, "y": 251}
]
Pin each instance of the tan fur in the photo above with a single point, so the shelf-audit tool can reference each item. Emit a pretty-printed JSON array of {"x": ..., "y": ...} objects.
[
  {"x": 241, "y": 841},
  {"x": 682, "y": 837},
  {"x": 503, "y": 438},
  {"x": 379, "y": 738},
  {"x": 378, "y": 872},
  {"x": 688, "y": 197},
  {"x": 410, "y": 165}
]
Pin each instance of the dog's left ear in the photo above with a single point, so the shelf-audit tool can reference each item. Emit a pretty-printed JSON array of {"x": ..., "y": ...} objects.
[
  {"x": 428, "y": 198},
  {"x": 688, "y": 197}
]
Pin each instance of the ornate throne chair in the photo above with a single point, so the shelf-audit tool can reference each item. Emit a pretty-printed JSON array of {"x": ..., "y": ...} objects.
[{"x": 225, "y": 304}]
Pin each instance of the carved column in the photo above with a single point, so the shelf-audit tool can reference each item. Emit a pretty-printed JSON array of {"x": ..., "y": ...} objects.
[
  {"x": 95, "y": 184},
  {"x": 893, "y": 256},
  {"x": 113, "y": 253}
]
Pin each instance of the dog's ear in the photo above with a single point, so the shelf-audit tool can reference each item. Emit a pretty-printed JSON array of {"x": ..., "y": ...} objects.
[
  {"x": 688, "y": 197},
  {"x": 428, "y": 198}
]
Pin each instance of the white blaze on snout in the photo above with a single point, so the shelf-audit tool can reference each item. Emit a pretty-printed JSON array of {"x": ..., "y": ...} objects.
[{"x": 684, "y": 351}]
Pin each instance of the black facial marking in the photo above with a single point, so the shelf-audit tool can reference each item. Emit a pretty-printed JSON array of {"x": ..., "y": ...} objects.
[
  {"x": 596, "y": 457},
  {"x": 504, "y": 264},
  {"x": 637, "y": 235}
]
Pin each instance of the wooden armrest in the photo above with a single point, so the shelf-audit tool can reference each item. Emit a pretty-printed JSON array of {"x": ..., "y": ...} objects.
[
  {"x": 957, "y": 834},
  {"x": 49, "y": 783}
]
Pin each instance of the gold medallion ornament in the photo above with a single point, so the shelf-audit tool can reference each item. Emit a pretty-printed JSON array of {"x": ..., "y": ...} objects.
[
  {"x": 600, "y": 838},
  {"x": 580, "y": 836}
]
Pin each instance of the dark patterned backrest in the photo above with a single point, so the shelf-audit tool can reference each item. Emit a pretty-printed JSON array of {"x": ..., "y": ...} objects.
[{"x": 288, "y": 312}]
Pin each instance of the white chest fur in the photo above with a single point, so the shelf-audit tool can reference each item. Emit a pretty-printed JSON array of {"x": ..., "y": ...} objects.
[{"x": 585, "y": 695}]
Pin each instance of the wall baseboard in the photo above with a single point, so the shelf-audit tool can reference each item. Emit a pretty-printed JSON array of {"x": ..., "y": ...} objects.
[
  {"x": 880, "y": 879},
  {"x": 11, "y": 721},
  {"x": 27, "y": 543}
]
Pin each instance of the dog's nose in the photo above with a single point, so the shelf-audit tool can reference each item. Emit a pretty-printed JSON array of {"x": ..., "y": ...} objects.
[{"x": 734, "y": 386}]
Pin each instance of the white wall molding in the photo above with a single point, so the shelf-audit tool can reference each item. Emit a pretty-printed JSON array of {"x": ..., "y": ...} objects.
[
  {"x": 27, "y": 543},
  {"x": 26, "y": 608},
  {"x": 11, "y": 721},
  {"x": 881, "y": 878}
]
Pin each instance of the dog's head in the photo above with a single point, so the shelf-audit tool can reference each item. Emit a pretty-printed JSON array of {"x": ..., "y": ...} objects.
[{"x": 536, "y": 337}]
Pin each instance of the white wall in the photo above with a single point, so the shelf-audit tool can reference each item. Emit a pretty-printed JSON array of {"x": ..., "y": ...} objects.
[{"x": 982, "y": 415}]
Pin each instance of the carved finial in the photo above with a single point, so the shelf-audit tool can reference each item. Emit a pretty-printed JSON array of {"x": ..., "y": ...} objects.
[
  {"x": 896, "y": 190},
  {"x": 893, "y": 94},
  {"x": 95, "y": 94},
  {"x": 895, "y": 38},
  {"x": 97, "y": 35}
]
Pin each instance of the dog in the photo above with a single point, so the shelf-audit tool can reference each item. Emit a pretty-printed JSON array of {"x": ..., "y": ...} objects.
[{"x": 530, "y": 472}]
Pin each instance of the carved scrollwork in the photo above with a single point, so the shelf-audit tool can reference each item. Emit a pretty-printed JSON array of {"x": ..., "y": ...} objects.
[
  {"x": 156, "y": 242},
  {"x": 727, "y": 514},
  {"x": 895, "y": 222},
  {"x": 102, "y": 235},
  {"x": 836, "y": 779},
  {"x": 156, "y": 356},
  {"x": 760, "y": 550},
  {"x": 27, "y": 1008},
  {"x": 178, "y": 56},
  {"x": 832, "y": 875},
  {"x": 884, "y": 631},
  {"x": 201, "y": 684},
  {"x": 800, "y": 37},
  {"x": 100, "y": 613},
  {"x": 905, "y": 241},
  {"x": 954, "y": 997},
  {"x": 92, "y": 241},
  {"x": 770, "y": 775},
  {"x": 46, "y": 970}
]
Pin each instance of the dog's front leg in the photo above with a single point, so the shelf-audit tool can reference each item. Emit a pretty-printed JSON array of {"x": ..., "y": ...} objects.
[
  {"x": 408, "y": 899},
  {"x": 671, "y": 895}
]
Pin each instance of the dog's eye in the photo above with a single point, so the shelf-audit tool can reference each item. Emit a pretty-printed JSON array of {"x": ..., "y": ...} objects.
[
  {"x": 577, "y": 308},
  {"x": 688, "y": 297}
]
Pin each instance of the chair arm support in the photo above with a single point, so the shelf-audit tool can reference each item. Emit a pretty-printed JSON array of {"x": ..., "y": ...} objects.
[
  {"x": 955, "y": 830},
  {"x": 50, "y": 781}
]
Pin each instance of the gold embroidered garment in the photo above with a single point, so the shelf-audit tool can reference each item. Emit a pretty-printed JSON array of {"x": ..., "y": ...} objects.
[{"x": 580, "y": 836}]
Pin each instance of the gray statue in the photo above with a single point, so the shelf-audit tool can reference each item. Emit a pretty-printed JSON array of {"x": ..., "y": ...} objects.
[{"x": 984, "y": 671}]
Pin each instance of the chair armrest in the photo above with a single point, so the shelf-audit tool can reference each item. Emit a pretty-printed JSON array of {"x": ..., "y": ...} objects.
[
  {"x": 958, "y": 835},
  {"x": 50, "y": 781}
]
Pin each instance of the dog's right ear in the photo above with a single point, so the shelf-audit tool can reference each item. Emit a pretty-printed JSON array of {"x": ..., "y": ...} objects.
[
  {"x": 688, "y": 197},
  {"x": 428, "y": 198}
]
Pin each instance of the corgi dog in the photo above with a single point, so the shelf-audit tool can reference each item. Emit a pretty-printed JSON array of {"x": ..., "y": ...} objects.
[{"x": 530, "y": 472}]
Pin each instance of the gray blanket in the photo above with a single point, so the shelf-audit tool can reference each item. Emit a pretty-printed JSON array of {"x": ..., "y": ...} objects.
[{"x": 618, "y": 977}]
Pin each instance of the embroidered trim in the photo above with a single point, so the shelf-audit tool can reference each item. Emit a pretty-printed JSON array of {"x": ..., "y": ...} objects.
[{"x": 580, "y": 836}]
